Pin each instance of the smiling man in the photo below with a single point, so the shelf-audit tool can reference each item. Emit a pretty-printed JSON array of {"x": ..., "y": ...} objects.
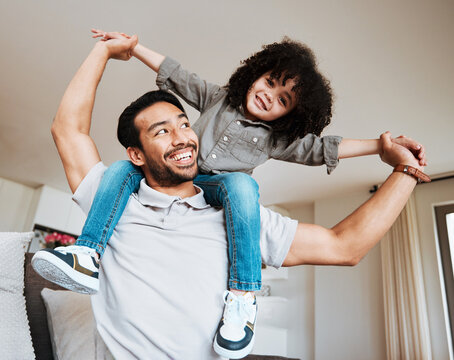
[
  {"x": 166, "y": 149},
  {"x": 165, "y": 267},
  {"x": 170, "y": 143}
]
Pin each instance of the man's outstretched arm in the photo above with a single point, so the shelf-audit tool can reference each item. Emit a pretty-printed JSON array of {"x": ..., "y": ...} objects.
[
  {"x": 350, "y": 240},
  {"x": 71, "y": 125}
]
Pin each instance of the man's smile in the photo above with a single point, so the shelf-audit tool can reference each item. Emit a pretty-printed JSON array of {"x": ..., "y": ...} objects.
[{"x": 183, "y": 156}]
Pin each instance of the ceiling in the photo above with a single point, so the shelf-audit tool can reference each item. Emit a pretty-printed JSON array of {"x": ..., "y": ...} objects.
[{"x": 391, "y": 65}]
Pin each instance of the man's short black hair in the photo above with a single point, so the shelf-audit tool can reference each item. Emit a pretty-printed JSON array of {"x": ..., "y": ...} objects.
[{"x": 127, "y": 132}]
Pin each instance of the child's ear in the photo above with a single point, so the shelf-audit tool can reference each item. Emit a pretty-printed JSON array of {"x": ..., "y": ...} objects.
[{"x": 136, "y": 156}]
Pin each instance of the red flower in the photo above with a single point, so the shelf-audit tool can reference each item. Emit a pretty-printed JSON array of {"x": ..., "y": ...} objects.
[
  {"x": 56, "y": 239},
  {"x": 50, "y": 238},
  {"x": 67, "y": 240}
]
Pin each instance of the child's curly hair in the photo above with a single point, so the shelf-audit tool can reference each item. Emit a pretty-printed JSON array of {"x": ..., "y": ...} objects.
[{"x": 313, "y": 91}]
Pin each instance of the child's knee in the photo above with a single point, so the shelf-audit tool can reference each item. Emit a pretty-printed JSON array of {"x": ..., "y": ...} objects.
[{"x": 242, "y": 185}]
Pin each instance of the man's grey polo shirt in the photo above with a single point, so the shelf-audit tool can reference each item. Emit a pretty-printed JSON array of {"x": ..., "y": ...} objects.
[{"x": 164, "y": 271}]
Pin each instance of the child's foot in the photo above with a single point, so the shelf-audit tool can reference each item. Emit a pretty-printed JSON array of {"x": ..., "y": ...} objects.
[
  {"x": 235, "y": 335},
  {"x": 72, "y": 267}
]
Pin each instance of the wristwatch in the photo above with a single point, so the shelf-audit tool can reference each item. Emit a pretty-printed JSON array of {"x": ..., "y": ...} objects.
[{"x": 412, "y": 171}]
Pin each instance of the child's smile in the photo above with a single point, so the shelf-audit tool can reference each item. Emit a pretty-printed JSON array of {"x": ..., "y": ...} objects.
[
  {"x": 260, "y": 103},
  {"x": 269, "y": 99}
]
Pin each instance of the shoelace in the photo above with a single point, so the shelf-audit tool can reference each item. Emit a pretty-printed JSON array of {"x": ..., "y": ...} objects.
[{"x": 238, "y": 309}]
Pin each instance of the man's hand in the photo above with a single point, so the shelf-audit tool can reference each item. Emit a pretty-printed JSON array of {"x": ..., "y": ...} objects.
[
  {"x": 118, "y": 45},
  {"x": 416, "y": 148},
  {"x": 393, "y": 153}
]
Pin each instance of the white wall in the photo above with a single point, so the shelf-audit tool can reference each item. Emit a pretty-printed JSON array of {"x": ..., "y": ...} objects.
[
  {"x": 300, "y": 293},
  {"x": 349, "y": 320},
  {"x": 335, "y": 312},
  {"x": 15, "y": 202},
  {"x": 428, "y": 195},
  {"x": 21, "y": 207},
  {"x": 57, "y": 210}
]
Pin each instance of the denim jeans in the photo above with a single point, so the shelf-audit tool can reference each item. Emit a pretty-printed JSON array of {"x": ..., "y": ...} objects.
[
  {"x": 119, "y": 181},
  {"x": 236, "y": 192}
]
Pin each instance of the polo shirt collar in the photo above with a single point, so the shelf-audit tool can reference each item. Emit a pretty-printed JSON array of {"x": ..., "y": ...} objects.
[{"x": 150, "y": 197}]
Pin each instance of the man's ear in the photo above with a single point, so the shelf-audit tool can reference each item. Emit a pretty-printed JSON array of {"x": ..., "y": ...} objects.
[{"x": 136, "y": 156}]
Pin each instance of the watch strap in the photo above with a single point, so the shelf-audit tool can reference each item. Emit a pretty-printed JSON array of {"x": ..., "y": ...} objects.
[{"x": 412, "y": 171}]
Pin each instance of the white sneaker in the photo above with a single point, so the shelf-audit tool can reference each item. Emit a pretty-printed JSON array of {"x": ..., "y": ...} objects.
[
  {"x": 72, "y": 267},
  {"x": 235, "y": 335}
]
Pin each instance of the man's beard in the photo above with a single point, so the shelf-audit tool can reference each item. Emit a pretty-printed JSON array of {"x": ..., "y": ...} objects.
[{"x": 167, "y": 177}]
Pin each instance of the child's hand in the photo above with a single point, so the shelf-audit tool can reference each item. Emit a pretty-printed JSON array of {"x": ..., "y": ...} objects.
[
  {"x": 416, "y": 148},
  {"x": 107, "y": 35},
  {"x": 119, "y": 45}
]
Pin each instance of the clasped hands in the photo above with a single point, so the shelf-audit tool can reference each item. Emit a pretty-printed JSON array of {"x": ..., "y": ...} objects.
[
  {"x": 118, "y": 45},
  {"x": 402, "y": 150}
]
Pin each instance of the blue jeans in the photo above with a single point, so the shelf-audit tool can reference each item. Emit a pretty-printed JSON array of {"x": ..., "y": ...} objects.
[{"x": 236, "y": 192}]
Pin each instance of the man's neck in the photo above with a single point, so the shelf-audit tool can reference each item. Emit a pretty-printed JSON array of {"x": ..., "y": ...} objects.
[{"x": 183, "y": 190}]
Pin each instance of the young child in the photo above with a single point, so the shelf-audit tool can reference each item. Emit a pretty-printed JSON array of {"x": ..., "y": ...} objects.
[{"x": 274, "y": 106}]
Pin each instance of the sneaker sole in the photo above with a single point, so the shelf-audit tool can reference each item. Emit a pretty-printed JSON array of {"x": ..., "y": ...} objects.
[
  {"x": 57, "y": 271},
  {"x": 234, "y": 354}
]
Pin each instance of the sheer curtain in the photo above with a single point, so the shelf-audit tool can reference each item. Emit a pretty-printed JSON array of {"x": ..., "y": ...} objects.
[{"x": 406, "y": 322}]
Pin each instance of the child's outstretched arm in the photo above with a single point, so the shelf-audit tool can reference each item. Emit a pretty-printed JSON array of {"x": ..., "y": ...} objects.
[
  {"x": 149, "y": 57},
  {"x": 352, "y": 148},
  {"x": 171, "y": 77},
  {"x": 352, "y": 238}
]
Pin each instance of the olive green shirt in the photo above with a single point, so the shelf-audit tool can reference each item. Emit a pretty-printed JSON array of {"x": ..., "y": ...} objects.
[{"x": 230, "y": 142}]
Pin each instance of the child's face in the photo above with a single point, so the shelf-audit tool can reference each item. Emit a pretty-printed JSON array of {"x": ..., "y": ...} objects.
[{"x": 269, "y": 99}]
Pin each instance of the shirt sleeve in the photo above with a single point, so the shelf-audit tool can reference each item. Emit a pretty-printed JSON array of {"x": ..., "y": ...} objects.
[
  {"x": 310, "y": 150},
  {"x": 276, "y": 236},
  {"x": 196, "y": 92},
  {"x": 86, "y": 191}
]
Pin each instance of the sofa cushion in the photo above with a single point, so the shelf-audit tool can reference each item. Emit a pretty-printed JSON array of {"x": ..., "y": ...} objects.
[
  {"x": 15, "y": 339},
  {"x": 71, "y": 324}
]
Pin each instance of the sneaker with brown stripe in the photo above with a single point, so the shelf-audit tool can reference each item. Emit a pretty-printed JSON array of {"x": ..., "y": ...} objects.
[
  {"x": 235, "y": 335},
  {"x": 72, "y": 267}
]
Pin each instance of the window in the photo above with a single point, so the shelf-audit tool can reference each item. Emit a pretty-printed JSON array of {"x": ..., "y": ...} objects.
[{"x": 445, "y": 228}]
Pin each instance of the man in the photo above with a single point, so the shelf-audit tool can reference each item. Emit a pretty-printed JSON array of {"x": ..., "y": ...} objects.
[{"x": 151, "y": 303}]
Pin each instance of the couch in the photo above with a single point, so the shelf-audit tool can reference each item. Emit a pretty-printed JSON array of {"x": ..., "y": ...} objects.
[{"x": 37, "y": 315}]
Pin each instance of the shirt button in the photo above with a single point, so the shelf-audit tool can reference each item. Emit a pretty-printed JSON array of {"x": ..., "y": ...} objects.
[
  {"x": 213, "y": 156},
  {"x": 226, "y": 138},
  {"x": 238, "y": 122},
  {"x": 255, "y": 139}
]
